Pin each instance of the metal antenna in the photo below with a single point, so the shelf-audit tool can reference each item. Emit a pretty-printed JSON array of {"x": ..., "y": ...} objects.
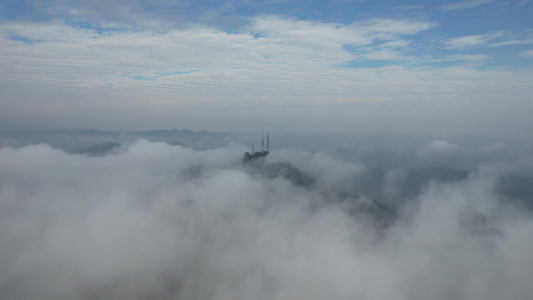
[
  {"x": 268, "y": 142},
  {"x": 252, "y": 149},
  {"x": 263, "y": 141}
]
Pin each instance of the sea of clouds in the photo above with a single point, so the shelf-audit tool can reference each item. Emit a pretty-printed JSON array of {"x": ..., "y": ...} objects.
[{"x": 155, "y": 221}]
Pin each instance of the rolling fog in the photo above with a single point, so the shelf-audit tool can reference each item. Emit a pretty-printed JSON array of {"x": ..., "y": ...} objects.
[{"x": 155, "y": 221}]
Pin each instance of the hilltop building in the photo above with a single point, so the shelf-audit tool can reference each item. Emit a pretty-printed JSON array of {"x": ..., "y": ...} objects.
[{"x": 262, "y": 153}]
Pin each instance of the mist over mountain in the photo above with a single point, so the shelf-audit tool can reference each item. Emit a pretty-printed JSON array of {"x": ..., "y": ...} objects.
[
  {"x": 398, "y": 160},
  {"x": 413, "y": 151},
  {"x": 145, "y": 219}
]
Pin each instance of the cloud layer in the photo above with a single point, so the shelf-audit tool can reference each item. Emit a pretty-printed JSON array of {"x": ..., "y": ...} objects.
[
  {"x": 159, "y": 221},
  {"x": 216, "y": 65},
  {"x": 114, "y": 76}
]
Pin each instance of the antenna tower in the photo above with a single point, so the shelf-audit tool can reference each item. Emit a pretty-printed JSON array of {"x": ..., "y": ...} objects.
[
  {"x": 263, "y": 141},
  {"x": 268, "y": 142}
]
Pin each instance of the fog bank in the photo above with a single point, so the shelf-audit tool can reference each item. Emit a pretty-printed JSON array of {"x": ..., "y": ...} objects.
[{"x": 154, "y": 221}]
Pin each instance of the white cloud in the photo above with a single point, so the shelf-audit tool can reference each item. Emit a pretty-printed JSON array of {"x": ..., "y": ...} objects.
[
  {"x": 395, "y": 44},
  {"x": 73, "y": 76},
  {"x": 163, "y": 221},
  {"x": 439, "y": 148},
  {"x": 464, "y": 5},
  {"x": 491, "y": 39},
  {"x": 117, "y": 13},
  {"x": 514, "y": 38},
  {"x": 64, "y": 55},
  {"x": 392, "y": 26},
  {"x": 510, "y": 42},
  {"x": 468, "y": 57},
  {"x": 528, "y": 53},
  {"x": 383, "y": 55},
  {"x": 307, "y": 32},
  {"x": 473, "y": 41}
]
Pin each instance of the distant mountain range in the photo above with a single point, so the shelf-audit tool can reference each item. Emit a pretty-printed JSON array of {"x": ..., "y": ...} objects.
[{"x": 98, "y": 142}]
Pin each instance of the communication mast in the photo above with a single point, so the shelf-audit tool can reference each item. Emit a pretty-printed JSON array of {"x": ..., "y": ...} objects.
[
  {"x": 248, "y": 156},
  {"x": 268, "y": 142}
]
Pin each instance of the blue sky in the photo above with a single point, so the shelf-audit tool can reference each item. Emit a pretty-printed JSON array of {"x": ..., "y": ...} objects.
[{"x": 375, "y": 66}]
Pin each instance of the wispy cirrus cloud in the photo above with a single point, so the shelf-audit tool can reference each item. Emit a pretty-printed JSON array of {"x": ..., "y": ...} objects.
[
  {"x": 473, "y": 41},
  {"x": 514, "y": 39},
  {"x": 492, "y": 39},
  {"x": 395, "y": 26},
  {"x": 464, "y": 5},
  {"x": 528, "y": 53},
  {"x": 467, "y": 57}
]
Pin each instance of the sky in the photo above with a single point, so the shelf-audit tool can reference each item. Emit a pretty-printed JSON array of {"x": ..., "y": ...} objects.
[{"x": 289, "y": 66}]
